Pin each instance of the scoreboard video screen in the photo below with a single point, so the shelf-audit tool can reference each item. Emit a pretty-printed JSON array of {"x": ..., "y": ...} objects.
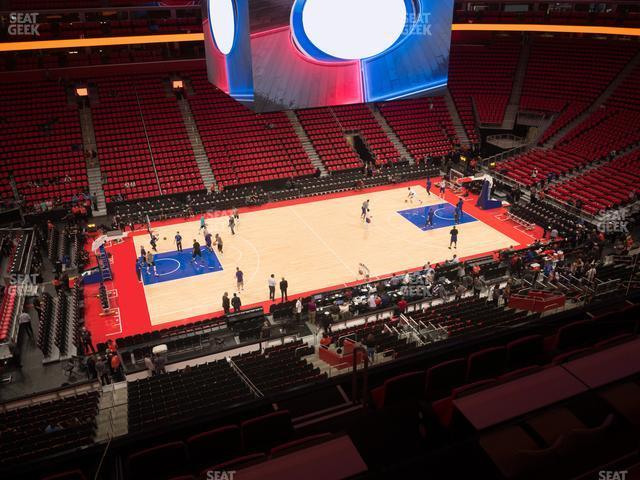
[{"x": 290, "y": 54}]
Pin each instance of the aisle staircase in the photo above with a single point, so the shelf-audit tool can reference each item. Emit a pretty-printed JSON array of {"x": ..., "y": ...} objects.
[
  {"x": 94, "y": 174},
  {"x": 311, "y": 152},
  {"x": 461, "y": 133},
  {"x": 202, "y": 160},
  {"x": 511, "y": 113},
  {"x": 402, "y": 150}
]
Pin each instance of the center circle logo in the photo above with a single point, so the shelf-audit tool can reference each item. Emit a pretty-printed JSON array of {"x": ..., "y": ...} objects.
[{"x": 333, "y": 30}]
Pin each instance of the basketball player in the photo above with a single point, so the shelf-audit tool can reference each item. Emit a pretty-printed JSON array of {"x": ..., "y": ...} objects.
[
  {"x": 232, "y": 224},
  {"x": 151, "y": 263},
  {"x": 178, "y": 241},
  {"x": 203, "y": 224},
  {"x": 443, "y": 187},
  {"x": 428, "y": 185},
  {"x": 196, "y": 251},
  {"x": 454, "y": 237},
  {"x": 219, "y": 243},
  {"x": 429, "y": 217},
  {"x": 365, "y": 209},
  {"x": 460, "y": 205},
  {"x": 411, "y": 195},
  {"x": 154, "y": 242},
  {"x": 207, "y": 240}
]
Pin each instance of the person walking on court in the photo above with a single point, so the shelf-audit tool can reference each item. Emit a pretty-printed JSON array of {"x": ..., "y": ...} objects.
[
  {"x": 232, "y": 224},
  {"x": 154, "y": 242},
  {"x": 219, "y": 243},
  {"x": 454, "y": 237},
  {"x": 226, "y": 303},
  {"x": 236, "y": 303},
  {"x": 178, "y": 240},
  {"x": 364, "y": 209},
  {"x": 272, "y": 287},
  {"x": 428, "y": 185},
  {"x": 203, "y": 224},
  {"x": 284, "y": 285},
  {"x": 459, "y": 206},
  {"x": 196, "y": 251},
  {"x": 239, "y": 279},
  {"x": 411, "y": 195},
  {"x": 443, "y": 187},
  {"x": 208, "y": 241},
  {"x": 429, "y": 217},
  {"x": 151, "y": 264}
]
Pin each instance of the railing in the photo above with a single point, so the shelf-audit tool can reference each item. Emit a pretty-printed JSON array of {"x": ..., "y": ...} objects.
[
  {"x": 354, "y": 379},
  {"x": 504, "y": 155},
  {"x": 505, "y": 136},
  {"x": 245, "y": 379}
]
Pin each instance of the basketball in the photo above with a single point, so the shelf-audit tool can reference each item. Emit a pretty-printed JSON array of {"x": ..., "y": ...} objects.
[{"x": 164, "y": 238}]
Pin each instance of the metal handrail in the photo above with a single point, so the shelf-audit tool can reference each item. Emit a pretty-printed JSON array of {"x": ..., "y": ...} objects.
[
  {"x": 365, "y": 384},
  {"x": 245, "y": 378}
]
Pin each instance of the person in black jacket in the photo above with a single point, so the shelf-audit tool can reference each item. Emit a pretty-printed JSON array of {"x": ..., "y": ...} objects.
[
  {"x": 226, "y": 303},
  {"x": 284, "y": 285},
  {"x": 235, "y": 301}
]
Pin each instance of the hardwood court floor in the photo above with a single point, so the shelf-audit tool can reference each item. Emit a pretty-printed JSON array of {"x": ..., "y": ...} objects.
[{"x": 314, "y": 245}]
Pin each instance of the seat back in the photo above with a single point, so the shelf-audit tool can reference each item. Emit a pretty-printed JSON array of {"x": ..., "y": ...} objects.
[
  {"x": 408, "y": 386},
  {"x": 487, "y": 363},
  {"x": 444, "y": 377},
  {"x": 575, "y": 334},
  {"x": 215, "y": 446},
  {"x": 261, "y": 433},
  {"x": 163, "y": 461},
  {"x": 525, "y": 351}
]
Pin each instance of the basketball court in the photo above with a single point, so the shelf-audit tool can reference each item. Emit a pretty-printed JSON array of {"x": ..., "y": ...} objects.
[{"x": 313, "y": 243}]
